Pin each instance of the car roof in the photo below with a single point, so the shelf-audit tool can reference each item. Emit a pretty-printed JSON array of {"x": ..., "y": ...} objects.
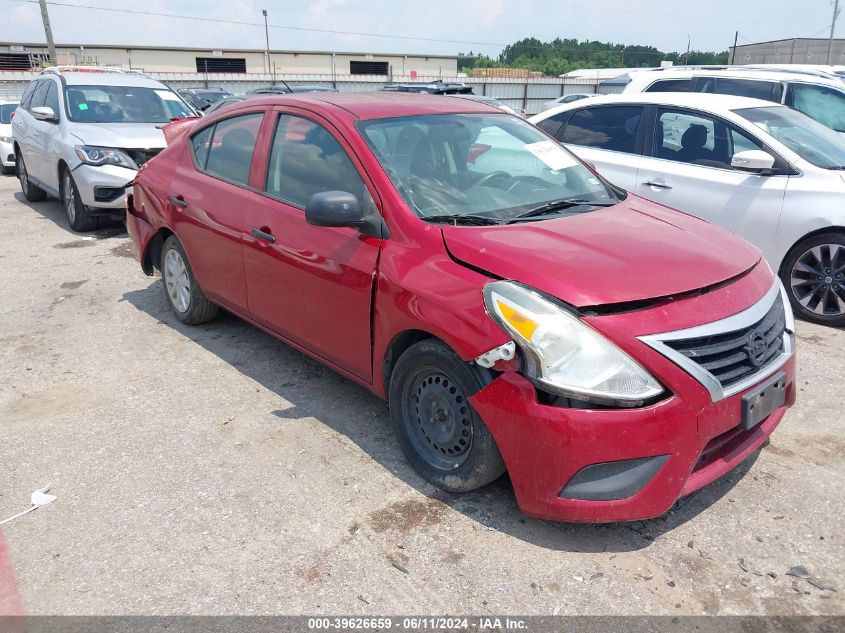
[
  {"x": 772, "y": 74},
  {"x": 380, "y": 105},
  {"x": 106, "y": 79},
  {"x": 697, "y": 100}
]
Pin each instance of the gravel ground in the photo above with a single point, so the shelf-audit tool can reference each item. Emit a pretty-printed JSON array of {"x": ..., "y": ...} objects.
[{"x": 213, "y": 470}]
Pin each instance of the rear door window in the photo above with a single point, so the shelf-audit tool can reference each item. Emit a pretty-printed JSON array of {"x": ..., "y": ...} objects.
[
  {"x": 226, "y": 151},
  {"x": 765, "y": 90},
  {"x": 821, "y": 103},
  {"x": 27, "y": 94},
  {"x": 610, "y": 127}
]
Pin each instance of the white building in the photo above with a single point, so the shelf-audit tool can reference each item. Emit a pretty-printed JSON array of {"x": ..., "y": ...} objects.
[{"x": 154, "y": 59}]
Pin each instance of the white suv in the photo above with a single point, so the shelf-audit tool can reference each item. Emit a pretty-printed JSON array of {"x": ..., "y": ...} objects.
[
  {"x": 818, "y": 94},
  {"x": 81, "y": 136}
]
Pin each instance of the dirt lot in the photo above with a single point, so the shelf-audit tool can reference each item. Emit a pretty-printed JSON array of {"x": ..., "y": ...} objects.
[{"x": 213, "y": 470}]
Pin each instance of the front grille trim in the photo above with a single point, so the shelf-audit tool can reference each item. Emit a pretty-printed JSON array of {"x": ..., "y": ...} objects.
[{"x": 742, "y": 320}]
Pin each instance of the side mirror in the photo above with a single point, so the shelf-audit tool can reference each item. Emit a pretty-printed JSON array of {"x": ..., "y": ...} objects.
[
  {"x": 44, "y": 113},
  {"x": 340, "y": 208},
  {"x": 753, "y": 161}
]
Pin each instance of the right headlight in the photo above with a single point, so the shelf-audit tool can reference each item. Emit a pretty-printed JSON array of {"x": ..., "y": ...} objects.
[{"x": 563, "y": 354}]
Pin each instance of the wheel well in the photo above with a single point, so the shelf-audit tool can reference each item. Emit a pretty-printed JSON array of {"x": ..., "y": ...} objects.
[
  {"x": 397, "y": 347},
  {"x": 152, "y": 254},
  {"x": 827, "y": 229},
  {"x": 61, "y": 167}
]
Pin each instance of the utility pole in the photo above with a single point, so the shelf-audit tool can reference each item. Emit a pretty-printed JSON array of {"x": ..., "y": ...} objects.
[
  {"x": 832, "y": 29},
  {"x": 689, "y": 42},
  {"x": 51, "y": 45},
  {"x": 267, "y": 41},
  {"x": 733, "y": 50}
]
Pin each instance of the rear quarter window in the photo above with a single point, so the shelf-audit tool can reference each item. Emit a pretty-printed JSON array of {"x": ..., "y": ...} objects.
[{"x": 670, "y": 85}]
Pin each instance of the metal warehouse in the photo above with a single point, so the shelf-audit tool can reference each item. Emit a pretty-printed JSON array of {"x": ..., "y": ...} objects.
[
  {"x": 151, "y": 59},
  {"x": 794, "y": 51}
]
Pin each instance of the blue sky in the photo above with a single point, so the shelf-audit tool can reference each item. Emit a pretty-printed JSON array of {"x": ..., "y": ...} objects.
[{"x": 663, "y": 24}]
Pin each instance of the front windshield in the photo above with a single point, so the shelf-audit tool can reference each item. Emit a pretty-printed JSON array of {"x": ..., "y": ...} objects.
[
  {"x": 123, "y": 104},
  {"x": 6, "y": 111},
  {"x": 812, "y": 141},
  {"x": 480, "y": 165}
]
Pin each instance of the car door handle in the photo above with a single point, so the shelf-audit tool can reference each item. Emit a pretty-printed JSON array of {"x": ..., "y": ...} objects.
[
  {"x": 264, "y": 235},
  {"x": 659, "y": 185},
  {"x": 178, "y": 201}
]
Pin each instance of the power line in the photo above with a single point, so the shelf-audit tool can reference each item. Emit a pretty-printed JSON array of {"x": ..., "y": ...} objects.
[{"x": 58, "y": 3}]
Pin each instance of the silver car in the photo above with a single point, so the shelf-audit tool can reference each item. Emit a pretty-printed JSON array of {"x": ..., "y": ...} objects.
[{"x": 81, "y": 136}]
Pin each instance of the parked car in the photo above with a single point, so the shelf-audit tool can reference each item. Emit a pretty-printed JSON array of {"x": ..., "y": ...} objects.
[
  {"x": 203, "y": 98},
  {"x": 7, "y": 151},
  {"x": 769, "y": 174},
  {"x": 504, "y": 107},
  {"x": 611, "y": 354},
  {"x": 81, "y": 136},
  {"x": 225, "y": 103},
  {"x": 567, "y": 99},
  {"x": 817, "y": 94},
  {"x": 438, "y": 87},
  {"x": 284, "y": 88}
]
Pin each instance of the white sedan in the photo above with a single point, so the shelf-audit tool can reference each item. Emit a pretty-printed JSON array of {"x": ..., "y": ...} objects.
[{"x": 768, "y": 173}]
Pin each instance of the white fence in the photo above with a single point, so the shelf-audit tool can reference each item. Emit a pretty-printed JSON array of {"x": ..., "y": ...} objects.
[{"x": 527, "y": 94}]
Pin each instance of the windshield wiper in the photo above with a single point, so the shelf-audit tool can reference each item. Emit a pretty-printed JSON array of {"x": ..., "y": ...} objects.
[
  {"x": 559, "y": 205},
  {"x": 457, "y": 218}
]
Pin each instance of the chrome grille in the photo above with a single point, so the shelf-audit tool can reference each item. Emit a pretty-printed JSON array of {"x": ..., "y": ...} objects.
[
  {"x": 732, "y": 356},
  {"x": 734, "y": 353}
]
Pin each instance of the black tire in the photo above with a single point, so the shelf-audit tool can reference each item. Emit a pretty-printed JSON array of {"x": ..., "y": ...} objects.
[
  {"x": 7, "y": 171},
  {"x": 192, "y": 307},
  {"x": 79, "y": 218},
  {"x": 441, "y": 435},
  {"x": 30, "y": 191},
  {"x": 814, "y": 275}
]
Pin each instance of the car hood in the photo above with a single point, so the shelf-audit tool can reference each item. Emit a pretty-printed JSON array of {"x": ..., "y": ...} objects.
[
  {"x": 633, "y": 251},
  {"x": 5, "y": 129},
  {"x": 126, "y": 135}
]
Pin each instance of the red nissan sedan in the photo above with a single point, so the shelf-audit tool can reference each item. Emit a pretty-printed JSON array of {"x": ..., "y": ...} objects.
[{"x": 518, "y": 312}]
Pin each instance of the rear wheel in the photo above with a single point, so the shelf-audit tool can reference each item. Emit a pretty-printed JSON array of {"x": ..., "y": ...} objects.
[
  {"x": 183, "y": 292},
  {"x": 814, "y": 274},
  {"x": 7, "y": 171},
  {"x": 440, "y": 433},
  {"x": 78, "y": 216},
  {"x": 30, "y": 191}
]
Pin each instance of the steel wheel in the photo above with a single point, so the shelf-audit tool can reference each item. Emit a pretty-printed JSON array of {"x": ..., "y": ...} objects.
[
  {"x": 176, "y": 280},
  {"x": 443, "y": 426},
  {"x": 69, "y": 197},
  {"x": 817, "y": 280}
]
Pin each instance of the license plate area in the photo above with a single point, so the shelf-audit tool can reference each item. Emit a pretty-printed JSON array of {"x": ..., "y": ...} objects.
[{"x": 759, "y": 404}]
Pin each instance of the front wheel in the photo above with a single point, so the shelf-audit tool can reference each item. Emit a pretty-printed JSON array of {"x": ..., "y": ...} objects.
[
  {"x": 79, "y": 218},
  {"x": 814, "y": 274},
  {"x": 439, "y": 432},
  {"x": 183, "y": 292}
]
